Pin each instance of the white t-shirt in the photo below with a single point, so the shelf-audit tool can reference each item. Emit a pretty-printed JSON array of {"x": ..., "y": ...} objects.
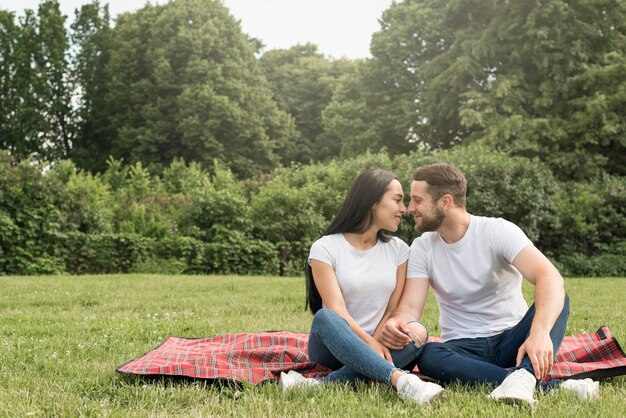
[
  {"x": 478, "y": 289},
  {"x": 366, "y": 278}
]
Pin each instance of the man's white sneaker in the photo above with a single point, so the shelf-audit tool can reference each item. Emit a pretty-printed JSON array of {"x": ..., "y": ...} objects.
[
  {"x": 585, "y": 388},
  {"x": 413, "y": 388},
  {"x": 295, "y": 379},
  {"x": 518, "y": 387}
]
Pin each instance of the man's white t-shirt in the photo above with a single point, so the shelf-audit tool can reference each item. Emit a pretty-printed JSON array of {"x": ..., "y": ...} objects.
[
  {"x": 366, "y": 278},
  {"x": 478, "y": 289}
]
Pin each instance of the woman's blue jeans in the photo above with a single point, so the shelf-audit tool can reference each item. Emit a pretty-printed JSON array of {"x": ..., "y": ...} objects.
[
  {"x": 484, "y": 360},
  {"x": 333, "y": 344}
]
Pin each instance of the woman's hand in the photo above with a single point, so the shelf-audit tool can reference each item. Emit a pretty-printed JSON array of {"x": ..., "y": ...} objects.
[{"x": 380, "y": 349}]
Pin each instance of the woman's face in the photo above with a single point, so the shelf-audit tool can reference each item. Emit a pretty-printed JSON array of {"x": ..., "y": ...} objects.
[{"x": 389, "y": 210}]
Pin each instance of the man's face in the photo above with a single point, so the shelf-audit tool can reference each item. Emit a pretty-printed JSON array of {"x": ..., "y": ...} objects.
[{"x": 428, "y": 216}]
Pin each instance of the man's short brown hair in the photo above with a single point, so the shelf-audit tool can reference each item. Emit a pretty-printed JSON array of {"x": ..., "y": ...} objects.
[{"x": 443, "y": 179}]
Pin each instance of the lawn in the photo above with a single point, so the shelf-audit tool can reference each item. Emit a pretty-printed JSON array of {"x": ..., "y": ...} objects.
[{"x": 62, "y": 337}]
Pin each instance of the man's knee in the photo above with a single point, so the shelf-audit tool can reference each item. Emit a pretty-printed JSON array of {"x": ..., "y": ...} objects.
[{"x": 431, "y": 351}]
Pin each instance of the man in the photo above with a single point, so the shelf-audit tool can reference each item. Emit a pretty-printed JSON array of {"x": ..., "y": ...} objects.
[{"x": 475, "y": 266}]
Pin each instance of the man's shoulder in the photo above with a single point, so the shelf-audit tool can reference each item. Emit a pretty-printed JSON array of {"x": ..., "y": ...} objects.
[
  {"x": 489, "y": 223},
  {"x": 489, "y": 220}
]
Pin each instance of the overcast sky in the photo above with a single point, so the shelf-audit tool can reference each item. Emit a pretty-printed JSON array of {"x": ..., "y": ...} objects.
[{"x": 338, "y": 27}]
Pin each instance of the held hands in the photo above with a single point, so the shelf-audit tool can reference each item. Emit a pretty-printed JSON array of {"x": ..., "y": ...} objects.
[
  {"x": 538, "y": 348},
  {"x": 395, "y": 334}
]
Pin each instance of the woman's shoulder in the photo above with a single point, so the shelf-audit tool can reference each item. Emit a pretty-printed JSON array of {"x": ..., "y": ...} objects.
[
  {"x": 397, "y": 243},
  {"x": 327, "y": 241}
]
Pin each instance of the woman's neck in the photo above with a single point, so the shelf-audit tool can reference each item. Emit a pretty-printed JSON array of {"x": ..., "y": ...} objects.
[{"x": 363, "y": 241}]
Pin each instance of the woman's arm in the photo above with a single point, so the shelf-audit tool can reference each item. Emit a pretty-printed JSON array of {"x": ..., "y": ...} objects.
[
  {"x": 328, "y": 287},
  {"x": 394, "y": 299}
]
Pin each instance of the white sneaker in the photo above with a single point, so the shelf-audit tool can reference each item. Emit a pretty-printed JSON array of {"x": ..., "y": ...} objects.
[
  {"x": 413, "y": 388},
  {"x": 518, "y": 387},
  {"x": 585, "y": 388},
  {"x": 295, "y": 379}
]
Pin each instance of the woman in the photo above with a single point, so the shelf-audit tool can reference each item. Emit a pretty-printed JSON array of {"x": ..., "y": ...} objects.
[{"x": 355, "y": 278}]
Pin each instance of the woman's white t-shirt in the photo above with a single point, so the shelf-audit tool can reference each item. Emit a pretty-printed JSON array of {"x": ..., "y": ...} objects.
[{"x": 366, "y": 278}]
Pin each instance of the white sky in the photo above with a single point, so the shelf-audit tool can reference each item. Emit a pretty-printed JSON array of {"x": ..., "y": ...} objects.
[{"x": 338, "y": 27}]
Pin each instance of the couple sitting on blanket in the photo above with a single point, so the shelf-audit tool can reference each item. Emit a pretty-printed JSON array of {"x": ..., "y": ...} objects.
[{"x": 368, "y": 289}]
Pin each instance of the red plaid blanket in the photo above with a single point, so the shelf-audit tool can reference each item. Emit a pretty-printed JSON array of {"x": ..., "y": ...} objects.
[{"x": 258, "y": 357}]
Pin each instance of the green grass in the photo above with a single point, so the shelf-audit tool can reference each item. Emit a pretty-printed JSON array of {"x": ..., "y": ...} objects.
[{"x": 62, "y": 337}]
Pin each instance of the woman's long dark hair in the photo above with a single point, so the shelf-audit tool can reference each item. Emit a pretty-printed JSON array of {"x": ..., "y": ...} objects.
[{"x": 355, "y": 215}]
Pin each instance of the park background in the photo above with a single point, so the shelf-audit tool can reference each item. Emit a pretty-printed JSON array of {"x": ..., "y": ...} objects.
[{"x": 168, "y": 141}]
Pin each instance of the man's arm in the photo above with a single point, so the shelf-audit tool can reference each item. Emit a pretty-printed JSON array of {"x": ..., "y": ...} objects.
[
  {"x": 549, "y": 300},
  {"x": 394, "y": 332}
]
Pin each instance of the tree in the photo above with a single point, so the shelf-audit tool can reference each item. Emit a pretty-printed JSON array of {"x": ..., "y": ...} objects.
[
  {"x": 91, "y": 39},
  {"x": 303, "y": 82},
  {"x": 366, "y": 115},
  {"x": 36, "y": 99},
  {"x": 182, "y": 81},
  {"x": 515, "y": 75}
]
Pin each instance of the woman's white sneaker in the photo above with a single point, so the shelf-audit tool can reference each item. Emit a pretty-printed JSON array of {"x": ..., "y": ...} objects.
[
  {"x": 294, "y": 379},
  {"x": 413, "y": 388}
]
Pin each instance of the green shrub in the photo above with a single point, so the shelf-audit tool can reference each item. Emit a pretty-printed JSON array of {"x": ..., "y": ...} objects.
[
  {"x": 611, "y": 263},
  {"x": 102, "y": 253},
  {"x": 85, "y": 201},
  {"x": 237, "y": 253},
  {"x": 29, "y": 218},
  {"x": 593, "y": 217},
  {"x": 241, "y": 254}
]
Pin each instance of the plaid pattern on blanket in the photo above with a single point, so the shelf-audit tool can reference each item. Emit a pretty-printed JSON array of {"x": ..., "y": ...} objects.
[{"x": 258, "y": 357}]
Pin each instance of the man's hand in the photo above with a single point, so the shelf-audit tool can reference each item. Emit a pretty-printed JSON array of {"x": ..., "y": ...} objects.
[
  {"x": 538, "y": 348},
  {"x": 394, "y": 334}
]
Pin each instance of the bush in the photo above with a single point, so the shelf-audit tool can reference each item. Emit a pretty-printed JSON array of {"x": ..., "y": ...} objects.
[
  {"x": 593, "y": 217},
  {"x": 194, "y": 221},
  {"x": 609, "y": 264},
  {"x": 102, "y": 253},
  {"x": 236, "y": 254},
  {"x": 85, "y": 201},
  {"x": 29, "y": 218}
]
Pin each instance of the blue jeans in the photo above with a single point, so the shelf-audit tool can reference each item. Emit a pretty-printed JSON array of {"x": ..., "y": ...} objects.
[
  {"x": 483, "y": 360},
  {"x": 333, "y": 344}
]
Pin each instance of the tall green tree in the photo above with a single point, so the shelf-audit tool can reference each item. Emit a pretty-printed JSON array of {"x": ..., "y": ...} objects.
[
  {"x": 553, "y": 84},
  {"x": 91, "y": 39},
  {"x": 536, "y": 78},
  {"x": 37, "y": 115},
  {"x": 59, "y": 88},
  {"x": 303, "y": 82},
  {"x": 182, "y": 81},
  {"x": 8, "y": 94},
  {"x": 366, "y": 114}
]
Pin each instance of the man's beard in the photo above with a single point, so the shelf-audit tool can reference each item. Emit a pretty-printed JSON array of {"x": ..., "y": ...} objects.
[{"x": 432, "y": 223}]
